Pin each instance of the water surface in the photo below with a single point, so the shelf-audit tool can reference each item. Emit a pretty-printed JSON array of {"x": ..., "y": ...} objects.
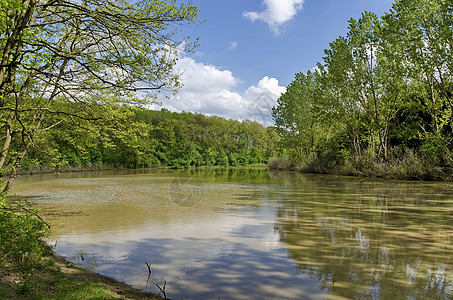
[{"x": 251, "y": 234}]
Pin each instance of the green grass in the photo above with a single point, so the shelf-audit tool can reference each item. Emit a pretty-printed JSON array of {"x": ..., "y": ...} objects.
[
  {"x": 4, "y": 294},
  {"x": 68, "y": 289},
  {"x": 53, "y": 278}
]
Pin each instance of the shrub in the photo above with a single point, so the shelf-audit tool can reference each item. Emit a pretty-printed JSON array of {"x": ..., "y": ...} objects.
[
  {"x": 279, "y": 163},
  {"x": 21, "y": 234}
]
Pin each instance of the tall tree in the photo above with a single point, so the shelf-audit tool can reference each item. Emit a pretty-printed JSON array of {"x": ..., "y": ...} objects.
[
  {"x": 388, "y": 83},
  {"x": 300, "y": 116},
  {"x": 87, "y": 53},
  {"x": 422, "y": 32},
  {"x": 362, "y": 77}
]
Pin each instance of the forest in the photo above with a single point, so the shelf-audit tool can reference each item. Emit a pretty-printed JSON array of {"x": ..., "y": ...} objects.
[
  {"x": 133, "y": 137},
  {"x": 380, "y": 104}
]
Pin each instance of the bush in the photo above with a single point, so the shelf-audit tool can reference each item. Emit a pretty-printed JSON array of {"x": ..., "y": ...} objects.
[
  {"x": 233, "y": 157},
  {"x": 401, "y": 163},
  {"x": 21, "y": 234},
  {"x": 279, "y": 163}
]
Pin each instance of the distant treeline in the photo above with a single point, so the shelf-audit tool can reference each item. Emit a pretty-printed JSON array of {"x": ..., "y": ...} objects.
[
  {"x": 381, "y": 102},
  {"x": 133, "y": 137}
]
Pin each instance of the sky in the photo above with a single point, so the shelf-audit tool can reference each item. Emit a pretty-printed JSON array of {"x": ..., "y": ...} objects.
[{"x": 250, "y": 51}]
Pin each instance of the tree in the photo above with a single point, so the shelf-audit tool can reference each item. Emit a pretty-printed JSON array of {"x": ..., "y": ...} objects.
[
  {"x": 422, "y": 32},
  {"x": 387, "y": 84},
  {"x": 359, "y": 79},
  {"x": 87, "y": 53},
  {"x": 367, "y": 86},
  {"x": 300, "y": 114}
]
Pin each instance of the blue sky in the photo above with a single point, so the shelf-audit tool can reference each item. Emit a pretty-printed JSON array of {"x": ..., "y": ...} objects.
[{"x": 251, "y": 49}]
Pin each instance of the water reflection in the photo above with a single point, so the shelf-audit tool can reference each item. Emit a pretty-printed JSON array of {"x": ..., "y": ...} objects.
[
  {"x": 249, "y": 234},
  {"x": 371, "y": 239}
]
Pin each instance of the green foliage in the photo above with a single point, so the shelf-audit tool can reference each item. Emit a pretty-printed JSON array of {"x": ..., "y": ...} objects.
[
  {"x": 21, "y": 232},
  {"x": 136, "y": 137},
  {"x": 76, "y": 62},
  {"x": 300, "y": 116},
  {"x": 23, "y": 289},
  {"x": 388, "y": 84}
]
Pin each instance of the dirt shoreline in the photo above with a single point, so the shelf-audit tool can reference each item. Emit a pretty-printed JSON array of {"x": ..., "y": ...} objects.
[
  {"x": 53, "y": 278},
  {"x": 78, "y": 273}
]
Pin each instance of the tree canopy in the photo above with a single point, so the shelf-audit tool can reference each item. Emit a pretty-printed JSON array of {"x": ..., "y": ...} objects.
[
  {"x": 69, "y": 60},
  {"x": 382, "y": 92},
  {"x": 134, "y": 137}
]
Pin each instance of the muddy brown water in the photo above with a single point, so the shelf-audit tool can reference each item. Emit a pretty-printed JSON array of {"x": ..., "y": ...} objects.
[{"x": 253, "y": 234}]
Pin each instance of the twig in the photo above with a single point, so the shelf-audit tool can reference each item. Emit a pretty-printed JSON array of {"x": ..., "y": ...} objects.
[
  {"x": 149, "y": 267},
  {"x": 30, "y": 211},
  {"x": 149, "y": 274},
  {"x": 163, "y": 290}
]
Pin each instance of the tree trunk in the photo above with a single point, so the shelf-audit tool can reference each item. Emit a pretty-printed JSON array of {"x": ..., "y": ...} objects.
[
  {"x": 8, "y": 138},
  {"x": 13, "y": 174}
]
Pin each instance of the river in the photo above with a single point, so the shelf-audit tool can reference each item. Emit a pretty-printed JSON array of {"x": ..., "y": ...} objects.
[{"x": 253, "y": 234}]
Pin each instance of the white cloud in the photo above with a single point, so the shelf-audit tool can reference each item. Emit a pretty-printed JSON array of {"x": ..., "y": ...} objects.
[
  {"x": 201, "y": 76},
  {"x": 260, "y": 99},
  {"x": 276, "y": 12},
  {"x": 211, "y": 91}
]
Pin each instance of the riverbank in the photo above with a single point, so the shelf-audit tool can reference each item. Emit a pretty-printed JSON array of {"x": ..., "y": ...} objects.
[
  {"x": 401, "y": 164},
  {"x": 63, "y": 169},
  {"x": 98, "y": 168},
  {"x": 56, "y": 278}
]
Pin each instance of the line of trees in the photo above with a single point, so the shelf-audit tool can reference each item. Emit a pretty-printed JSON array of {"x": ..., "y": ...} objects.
[
  {"x": 134, "y": 137},
  {"x": 381, "y": 101},
  {"x": 66, "y": 60}
]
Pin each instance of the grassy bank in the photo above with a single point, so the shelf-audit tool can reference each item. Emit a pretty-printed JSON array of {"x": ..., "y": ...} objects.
[
  {"x": 400, "y": 164},
  {"x": 55, "y": 278}
]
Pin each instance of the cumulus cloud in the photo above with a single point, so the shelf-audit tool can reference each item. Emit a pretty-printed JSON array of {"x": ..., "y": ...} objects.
[
  {"x": 198, "y": 76},
  {"x": 212, "y": 91},
  {"x": 276, "y": 12},
  {"x": 259, "y": 100},
  {"x": 206, "y": 89}
]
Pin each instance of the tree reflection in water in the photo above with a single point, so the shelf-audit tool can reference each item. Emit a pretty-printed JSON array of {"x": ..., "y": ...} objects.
[{"x": 372, "y": 239}]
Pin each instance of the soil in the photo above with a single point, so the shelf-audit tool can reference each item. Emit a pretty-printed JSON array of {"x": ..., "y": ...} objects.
[{"x": 11, "y": 279}]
